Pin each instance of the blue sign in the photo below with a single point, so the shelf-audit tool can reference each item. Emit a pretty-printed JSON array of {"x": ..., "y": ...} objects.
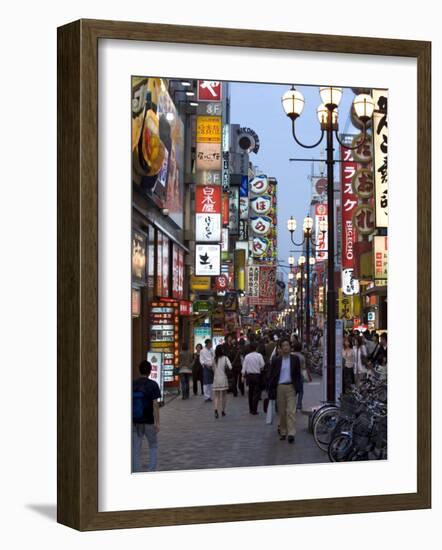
[{"x": 244, "y": 187}]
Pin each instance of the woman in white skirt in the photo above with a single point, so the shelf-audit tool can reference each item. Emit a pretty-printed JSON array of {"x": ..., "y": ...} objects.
[{"x": 220, "y": 382}]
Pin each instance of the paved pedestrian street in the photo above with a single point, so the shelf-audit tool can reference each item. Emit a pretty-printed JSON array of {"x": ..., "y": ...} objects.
[{"x": 191, "y": 438}]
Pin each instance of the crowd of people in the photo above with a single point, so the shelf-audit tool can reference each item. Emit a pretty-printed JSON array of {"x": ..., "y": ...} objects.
[
  {"x": 362, "y": 353},
  {"x": 271, "y": 365}
]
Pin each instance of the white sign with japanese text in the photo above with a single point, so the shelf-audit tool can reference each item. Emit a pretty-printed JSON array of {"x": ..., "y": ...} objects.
[
  {"x": 207, "y": 260},
  {"x": 208, "y": 227},
  {"x": 380, "y": 139}
]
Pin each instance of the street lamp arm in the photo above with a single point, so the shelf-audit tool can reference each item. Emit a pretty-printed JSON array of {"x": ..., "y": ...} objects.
[
  {"x": 293, "y": 240},
  {"x": 364, "y": 137},
  {"x": 302, "y": 144},
  {"x": 314, "y": 244}
]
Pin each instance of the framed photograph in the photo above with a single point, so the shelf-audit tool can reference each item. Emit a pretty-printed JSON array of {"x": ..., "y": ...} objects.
[{"x": 284, "y": 405}]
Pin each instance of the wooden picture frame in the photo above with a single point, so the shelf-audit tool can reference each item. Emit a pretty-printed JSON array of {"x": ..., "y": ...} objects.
[{"x": 77, "y": 128}]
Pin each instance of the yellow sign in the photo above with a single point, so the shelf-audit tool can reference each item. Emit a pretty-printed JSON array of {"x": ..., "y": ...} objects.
[
  {"x": 349, "y": 306},
  {"x": 208, "y": 129},
  {"x": 199, "y": 283}
]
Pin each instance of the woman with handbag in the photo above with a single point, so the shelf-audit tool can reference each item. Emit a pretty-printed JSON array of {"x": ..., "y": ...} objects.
[{"x": 220, "y": 381}]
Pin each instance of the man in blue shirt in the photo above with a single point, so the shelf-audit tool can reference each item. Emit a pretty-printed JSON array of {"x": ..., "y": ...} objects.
[
  {"x": 145, "y": 417},
  {"x": 284, "y": 384}
]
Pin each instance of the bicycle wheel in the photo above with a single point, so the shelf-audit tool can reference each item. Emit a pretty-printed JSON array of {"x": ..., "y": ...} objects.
[
  {"x": 340, "y": 448},
  {"x": 319, "y": 410},
  {"x": 324, "y": 426}
]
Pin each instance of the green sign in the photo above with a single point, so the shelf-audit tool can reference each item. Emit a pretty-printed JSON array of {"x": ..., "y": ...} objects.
[{"x": 200, "y": 306}]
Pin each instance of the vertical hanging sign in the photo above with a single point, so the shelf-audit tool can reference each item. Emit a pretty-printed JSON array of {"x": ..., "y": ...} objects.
[
  {"x": 380, "y": 142},
  {"x": 349, "y": 205}
]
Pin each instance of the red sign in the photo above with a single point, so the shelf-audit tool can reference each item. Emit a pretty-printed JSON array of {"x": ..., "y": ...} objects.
[
  {"x": 262, "y": 285},
  {"x": 209, "y": 90},
  {"x": 225, "y": 209},
  {"x": 208, "y": 199},
  {"x": 221, "y": 283},
  {"x": 136, "y": 302},
  {"x": 185, "y": 307},
  {"x": 349, "y": 204}
]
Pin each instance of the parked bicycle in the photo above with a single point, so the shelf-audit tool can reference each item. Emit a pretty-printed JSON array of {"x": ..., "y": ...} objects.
[{"x": 333, "y": 419}]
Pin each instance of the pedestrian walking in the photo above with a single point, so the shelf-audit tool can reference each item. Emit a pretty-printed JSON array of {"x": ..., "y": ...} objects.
[
  {"x": 185, "y": 370},
  {"x": 284, "y": 384},
  {"x": 251, "y": 372},
  {"x": 145, "y": 417},
  {"x": 270, "y": 345},
  {"x": 231, "y": 350},
  {"x": 237, "y": 367},
  {"x": 207, "y": 358},
  {"x": 360, "y": 359},
  {"x": 220, "y": 381},
  {"x": 197, "y": 370},
  {"x": 348, "y": 359}
]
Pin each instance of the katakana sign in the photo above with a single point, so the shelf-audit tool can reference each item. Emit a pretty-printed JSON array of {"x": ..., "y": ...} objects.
[{"x": 349, "y": 203}]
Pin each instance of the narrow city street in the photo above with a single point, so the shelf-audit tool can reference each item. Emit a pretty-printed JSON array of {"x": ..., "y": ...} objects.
[
  {"x": 191, "y": 438},
  {"x": 244, "y": 259}
]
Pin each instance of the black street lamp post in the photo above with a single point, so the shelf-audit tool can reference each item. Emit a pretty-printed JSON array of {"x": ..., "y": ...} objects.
[
  {"x": 299, "y": 278},
  {"x": 308, "y": 261},
  {"x": 293, "y": 104}
]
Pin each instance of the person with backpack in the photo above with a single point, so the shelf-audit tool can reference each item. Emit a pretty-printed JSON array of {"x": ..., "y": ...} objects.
[{"x": 145, "y": 417}]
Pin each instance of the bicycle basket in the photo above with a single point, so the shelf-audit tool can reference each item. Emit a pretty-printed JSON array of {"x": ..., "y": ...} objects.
[{"x": 348, "y": 405}]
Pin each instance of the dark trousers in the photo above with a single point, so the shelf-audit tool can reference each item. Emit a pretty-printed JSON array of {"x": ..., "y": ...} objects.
[
  {"x": 300, "y": 396},
  {"x": 348, "y": 378},
  {"x": 254, "y": 383},
  {"x": 197, "y": 377},
  {"x": 185, "y": 385},
  {"x": 235, "y": 382}
]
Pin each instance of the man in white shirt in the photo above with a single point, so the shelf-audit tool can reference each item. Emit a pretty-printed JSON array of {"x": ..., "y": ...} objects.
[
  {"x": 284, "y": 384},
  {"x": 207, "y": 358},
  {"x": 252, "y": 367}
]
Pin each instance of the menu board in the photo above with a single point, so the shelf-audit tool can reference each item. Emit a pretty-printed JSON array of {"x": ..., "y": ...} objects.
[
  {"x": 168, "y": 366},
  {"x": 164, "y": 335}
]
